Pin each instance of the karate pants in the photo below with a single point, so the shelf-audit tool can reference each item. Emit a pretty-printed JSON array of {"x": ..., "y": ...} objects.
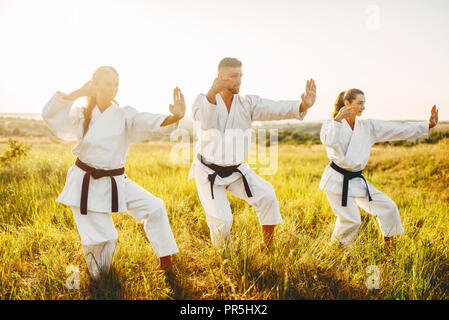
[
  {"x": 99, "y": 236},
  {"x": 349, "y": 219},
  {"x": 218, "y": 211}
]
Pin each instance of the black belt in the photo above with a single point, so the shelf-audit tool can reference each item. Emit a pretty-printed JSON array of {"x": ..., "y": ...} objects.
[
  {"x": 223, "y": 172},
  {"x": 96, "y": 174},
  {"x": 348, "y": 175}
]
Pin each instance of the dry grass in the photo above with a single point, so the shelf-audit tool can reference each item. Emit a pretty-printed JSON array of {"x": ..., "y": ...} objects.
[{"x": 38, "y": 237}]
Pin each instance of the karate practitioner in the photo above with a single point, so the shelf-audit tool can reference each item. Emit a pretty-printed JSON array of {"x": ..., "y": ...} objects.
[
  {"x": 348, "y": 140},
  {"x": 97, "y": 184},
  {"x": 223, "y": 122}
]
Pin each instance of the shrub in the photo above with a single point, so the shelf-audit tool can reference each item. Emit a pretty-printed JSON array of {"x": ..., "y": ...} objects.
[{"x": 16, "y": 150}]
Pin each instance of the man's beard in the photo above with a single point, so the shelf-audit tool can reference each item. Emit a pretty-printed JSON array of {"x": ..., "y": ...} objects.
[{"x": 235, "y": 90}]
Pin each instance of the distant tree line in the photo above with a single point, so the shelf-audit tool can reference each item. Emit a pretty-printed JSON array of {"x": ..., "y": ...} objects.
[
  {"x": 18, "y": 127},
  {"x": 304, "y": 133}
]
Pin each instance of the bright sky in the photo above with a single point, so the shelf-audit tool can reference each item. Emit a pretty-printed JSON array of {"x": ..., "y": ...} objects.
[{"x": 397, "y": 52}]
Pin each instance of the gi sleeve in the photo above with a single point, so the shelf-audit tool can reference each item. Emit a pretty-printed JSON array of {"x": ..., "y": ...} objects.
[
  {"x": 140, "y": 125},
  {"x": 392, "y": 131},
  {"x": 330, "y": 133},
  {"x": 268, "y": 110},
  {"x": 204, "y": 113},
  {"x": 62, "y": 120}
]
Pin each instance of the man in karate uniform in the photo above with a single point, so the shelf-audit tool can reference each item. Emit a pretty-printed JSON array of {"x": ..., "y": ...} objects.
[{"x": 223, "y": 122}]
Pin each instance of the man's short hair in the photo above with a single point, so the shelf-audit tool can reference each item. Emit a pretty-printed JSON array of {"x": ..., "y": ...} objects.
[{"x": 229, "y": 62}]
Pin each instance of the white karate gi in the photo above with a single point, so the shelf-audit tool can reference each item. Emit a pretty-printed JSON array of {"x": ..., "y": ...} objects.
[
  {"x": 224, "y": 138},
  {"x": 105, "y": 146},
  {"x": 350, "y": 150}
]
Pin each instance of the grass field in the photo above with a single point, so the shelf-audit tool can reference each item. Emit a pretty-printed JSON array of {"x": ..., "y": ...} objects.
[{"x": 39, "y": 240}]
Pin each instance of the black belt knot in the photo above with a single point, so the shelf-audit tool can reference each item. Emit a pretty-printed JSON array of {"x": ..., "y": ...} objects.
[
  {"x": 96, "y": 174},
  {"x": 348, "y": 175},
  {"x": 223, "y": 172}
]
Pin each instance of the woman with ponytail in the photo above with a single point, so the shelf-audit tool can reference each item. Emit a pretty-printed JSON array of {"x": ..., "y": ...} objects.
[
  {"x": 348, "y": 140},
  {"x": 97, "y": 184}
]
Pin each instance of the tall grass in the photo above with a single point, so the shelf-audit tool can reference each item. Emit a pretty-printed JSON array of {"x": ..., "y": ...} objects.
[{"x": 39, "y": 240}]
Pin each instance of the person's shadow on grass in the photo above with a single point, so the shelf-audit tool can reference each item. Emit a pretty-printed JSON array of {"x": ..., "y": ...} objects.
[{"x": 107, "y": 286}]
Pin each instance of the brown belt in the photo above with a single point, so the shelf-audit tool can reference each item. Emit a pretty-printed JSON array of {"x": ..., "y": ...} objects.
[{"x": 96, "y": 174}]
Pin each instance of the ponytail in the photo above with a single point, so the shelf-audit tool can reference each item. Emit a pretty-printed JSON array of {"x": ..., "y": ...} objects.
[
  {"x": 91, "y": 103},
  {"x": 339, "y": 103}
]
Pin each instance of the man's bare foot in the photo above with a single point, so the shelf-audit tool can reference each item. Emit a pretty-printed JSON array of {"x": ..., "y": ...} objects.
[
  {"x": 389, "y": 247},
  {"x": 268, "y": 234},
  {"x": 165, "y": 263}
]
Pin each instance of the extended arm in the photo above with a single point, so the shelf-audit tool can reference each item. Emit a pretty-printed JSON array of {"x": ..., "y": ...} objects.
[
  {"x": 140, "y": 125},
  {"x": 267, "y": 110},
  {"x": 393, "y": 131}
]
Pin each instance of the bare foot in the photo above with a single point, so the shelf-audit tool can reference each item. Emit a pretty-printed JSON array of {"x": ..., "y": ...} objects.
[
  {"x": 165, "y": 263},
  {"x": 268, "y": 235},
  {"x": 388, "y": 245}
]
